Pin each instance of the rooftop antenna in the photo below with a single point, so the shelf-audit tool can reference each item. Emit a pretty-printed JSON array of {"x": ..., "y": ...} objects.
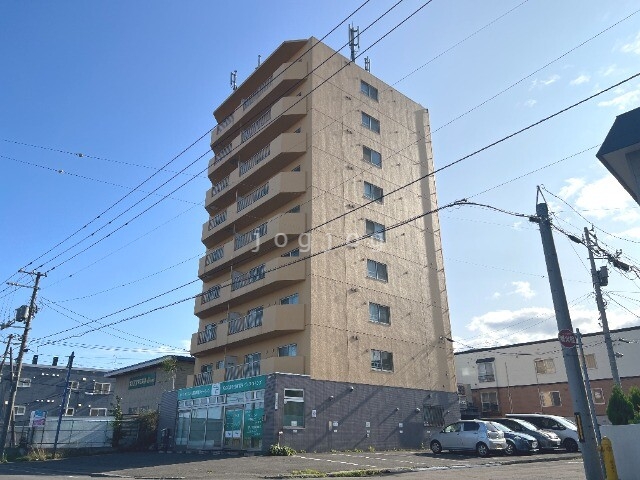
[
  {"x": 354, "y": 41},
  {"x": 259, "y": 58},
  {"x": 367, "y": 64},
  {"x": 232, "y": 80}
]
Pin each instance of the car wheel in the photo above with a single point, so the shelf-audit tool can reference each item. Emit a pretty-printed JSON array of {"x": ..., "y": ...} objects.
[
  {"x": 436, "y": 447},
  {"x": 482, "y": 450},
  {"x": 510, "y": 449},
  {"x": 571, "y": 445}
]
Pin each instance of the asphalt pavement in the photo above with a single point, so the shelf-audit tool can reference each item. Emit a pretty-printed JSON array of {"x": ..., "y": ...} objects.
[{"x": 404, "y": 464}]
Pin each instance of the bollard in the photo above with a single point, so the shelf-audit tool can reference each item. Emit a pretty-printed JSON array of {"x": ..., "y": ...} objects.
[{"x": 606, "y": 448}]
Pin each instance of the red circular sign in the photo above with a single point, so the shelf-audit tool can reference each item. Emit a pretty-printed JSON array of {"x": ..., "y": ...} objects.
[{"x": 567, "y": 338}]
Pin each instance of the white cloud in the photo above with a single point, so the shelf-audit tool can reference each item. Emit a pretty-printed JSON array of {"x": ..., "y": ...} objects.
[
  {"x": 568, "y": 191},
  {"x": 630, "y": 233},
  {"x": 580, "y": 80},
  {"x": 496, "y": 295},
  {"x": 530, "y": 103},
  {"x": 603, "y": 198},
  {"x": 546, "y": 82},
  {"x": 524, "y": 289},
  {"x": 517, "y": 225},
  {"x": 633, "y": 46},
  {"x": 624, "y": 101},
  {"x": 505, "y": 327}
]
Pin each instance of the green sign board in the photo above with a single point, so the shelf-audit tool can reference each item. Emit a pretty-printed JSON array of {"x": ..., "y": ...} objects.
[
  {"x": 243, "y": 385},
  {"x": 253, "y": 423},
  {"x": 233, "y": 423},
  {"x": 140, "y": 381},
  {"x": 195, "y": 392}
]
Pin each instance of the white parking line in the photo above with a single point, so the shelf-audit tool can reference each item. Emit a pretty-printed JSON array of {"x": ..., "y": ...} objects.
[{"x": 337, "y": 461}]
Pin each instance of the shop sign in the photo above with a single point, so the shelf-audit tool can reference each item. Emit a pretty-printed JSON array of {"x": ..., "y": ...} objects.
[
  {"x": 38, "y": 418},
  {"x": 253, "y": 423},
  {"x": 140, "y": 381},
  {"x": 233, "y": 423},
  {"x": 243, "y": 385}
]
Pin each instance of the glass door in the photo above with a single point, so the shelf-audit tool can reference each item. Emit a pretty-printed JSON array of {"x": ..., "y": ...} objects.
[{"x": 233, "y": 421}]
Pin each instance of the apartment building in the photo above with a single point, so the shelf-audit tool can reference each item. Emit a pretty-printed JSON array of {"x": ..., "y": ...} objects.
[
  {"x": 531, "y": 378},
  {"x": 305, "y": 152}
]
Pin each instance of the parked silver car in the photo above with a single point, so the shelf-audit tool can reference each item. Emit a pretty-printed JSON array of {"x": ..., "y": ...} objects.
[{"x": 470, "y": 435}]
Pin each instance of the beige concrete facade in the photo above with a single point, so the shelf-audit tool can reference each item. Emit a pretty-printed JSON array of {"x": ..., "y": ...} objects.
[{"x": 291, "y": 163}]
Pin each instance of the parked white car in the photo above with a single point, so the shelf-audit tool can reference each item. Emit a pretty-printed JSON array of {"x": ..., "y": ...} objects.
[
  {"x": 566, "y": 430},
  {"x": 470, "y": 435}
]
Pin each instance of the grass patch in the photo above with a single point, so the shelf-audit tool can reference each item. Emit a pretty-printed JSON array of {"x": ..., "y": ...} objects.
[
  {"x": 369, "y": 472},
  {"x": 308, "y": 473}
]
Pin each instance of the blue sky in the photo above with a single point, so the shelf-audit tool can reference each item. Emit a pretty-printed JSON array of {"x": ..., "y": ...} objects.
[{"x": 131, "y": 85}]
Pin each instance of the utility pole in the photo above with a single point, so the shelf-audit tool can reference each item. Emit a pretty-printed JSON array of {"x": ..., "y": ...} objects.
[
  {"x": 595, "y": 278},
  {"x": 4, "y": 357},
  {"x": 63, "y": 404},
  {"x": 23, "y": 344},
  {"x": 589, "y": 447},
  {"x": 587, "y": 386}
]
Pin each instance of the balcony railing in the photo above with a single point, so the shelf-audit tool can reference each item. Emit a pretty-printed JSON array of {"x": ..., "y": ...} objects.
[
  {"x": 244, "y": 167},
  {"x": 214, "y": 256},
  {"x": 211, "y": 294},
  {"x": 224, "y": 123},
  {"x": 220, "y": 186},
  {"x": 244, "y": 370},
  {"x": 202, "y": 378},
  {"x": 248, "y": 237},
  {"x": 222, "y": 154},
  {"x": 257, "y": 94},
  {"x": 256, "y": 126},
  {"x": 208, "y": 334},
  {"x": 243, "y": 279},
  {"x": 217, "y": 220},
  {"x": 247, "y": 322},
  {"x": 254, "y": 196}
]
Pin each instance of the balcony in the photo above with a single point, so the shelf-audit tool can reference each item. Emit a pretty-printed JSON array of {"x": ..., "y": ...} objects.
[
  {"x": 288, "y": 226},
  {"x": 255, "y": 135},
  {"x": 274, "y": 321},
  {"x": 258, "y": 168},
  {"x": 258, "y": 203},
  {"x": 275, "y": 86},
  {"x": 260, "y": 280},
  {"x": 263, "y": 367}
]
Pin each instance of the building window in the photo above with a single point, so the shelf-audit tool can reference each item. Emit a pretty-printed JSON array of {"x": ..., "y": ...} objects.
[
  {"x": 24, "y": 383},
  {"x": 368, "y": 90},
  {"x": 219, "y": 364},
  {"x": 376, "y": 230},
  {"x": 590, "y": 360},
  {"x": 372, "y": 157},
  {"x": 377, "y": 270},
  {"x": 489, "y": 402},
  {"x": 598, "y": 396},
  {"x": 545, "y": 365},
  {"x": 133, "y": 410},
  {"x": 252, "y": 357},
  {"x": 382, "y": 361},
  {"x": 486, "y": 372},
  {"x": 290, "y": 300},
  {"x": 293, "y": 411},
  {"x": 433, "y": 416},
  {"x": 98, "y": 412},
  {"x": 550, "y": 399},
  {"x": 371, "y": 123},
  {"x": 290, "y": 350},
  {"x": 101, "y": 388},
  {"x": 292, "y": 253},
  {"x": 373, "y": 192},
  {"x": 207, "y": 367},
  {"x": 74, "y": 384},
  {"x": 379, "y": 313},
  {"x": 69, "y": 412},
  {"x": 295, "y": 209}
]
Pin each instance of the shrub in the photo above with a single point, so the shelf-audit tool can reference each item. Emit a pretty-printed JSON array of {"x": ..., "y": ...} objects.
[
  {"x": 619, "y": 409},
  {"x": 634, "y": 398},
  {"x": 281, "y": 451}
]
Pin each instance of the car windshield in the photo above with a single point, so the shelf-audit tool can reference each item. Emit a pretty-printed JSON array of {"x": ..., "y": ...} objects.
[
  {"x": 566, "y": 423},
  {"x": 527, "y": 425},
  {"x": 501, "y": 427}
]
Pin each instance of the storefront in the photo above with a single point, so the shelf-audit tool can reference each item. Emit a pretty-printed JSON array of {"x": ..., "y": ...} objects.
[{"x": 226, "y": 415}]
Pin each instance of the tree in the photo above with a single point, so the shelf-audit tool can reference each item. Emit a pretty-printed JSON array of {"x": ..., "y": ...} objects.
[
  {"x": 116, "y": 411},
  {"x": 634, "y": 398},
  {"x": 170, "y": 366},
  {"x": 619, "y": 409}
]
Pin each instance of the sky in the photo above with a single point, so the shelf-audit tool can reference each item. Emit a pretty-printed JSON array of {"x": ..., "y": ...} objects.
[{"x": 98, "y": 97}]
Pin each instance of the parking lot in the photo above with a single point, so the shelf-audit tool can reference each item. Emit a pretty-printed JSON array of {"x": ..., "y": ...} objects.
[{"x": 406, "y": 464}]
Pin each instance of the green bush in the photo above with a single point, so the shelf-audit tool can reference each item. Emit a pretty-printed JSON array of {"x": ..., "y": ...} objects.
[
  {"x": 634, "y": 398},
  {"x": 620, "y": 409},
  {"x": 281, "y": 451}
]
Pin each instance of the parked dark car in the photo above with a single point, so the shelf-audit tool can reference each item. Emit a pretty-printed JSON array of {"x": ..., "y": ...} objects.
[
  {"x": 546, "y": 440},
  {"x": 517, "y": 442}
]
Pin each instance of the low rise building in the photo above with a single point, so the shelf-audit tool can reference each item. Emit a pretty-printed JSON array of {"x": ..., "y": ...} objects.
[{"x": 531, "y": 378}]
